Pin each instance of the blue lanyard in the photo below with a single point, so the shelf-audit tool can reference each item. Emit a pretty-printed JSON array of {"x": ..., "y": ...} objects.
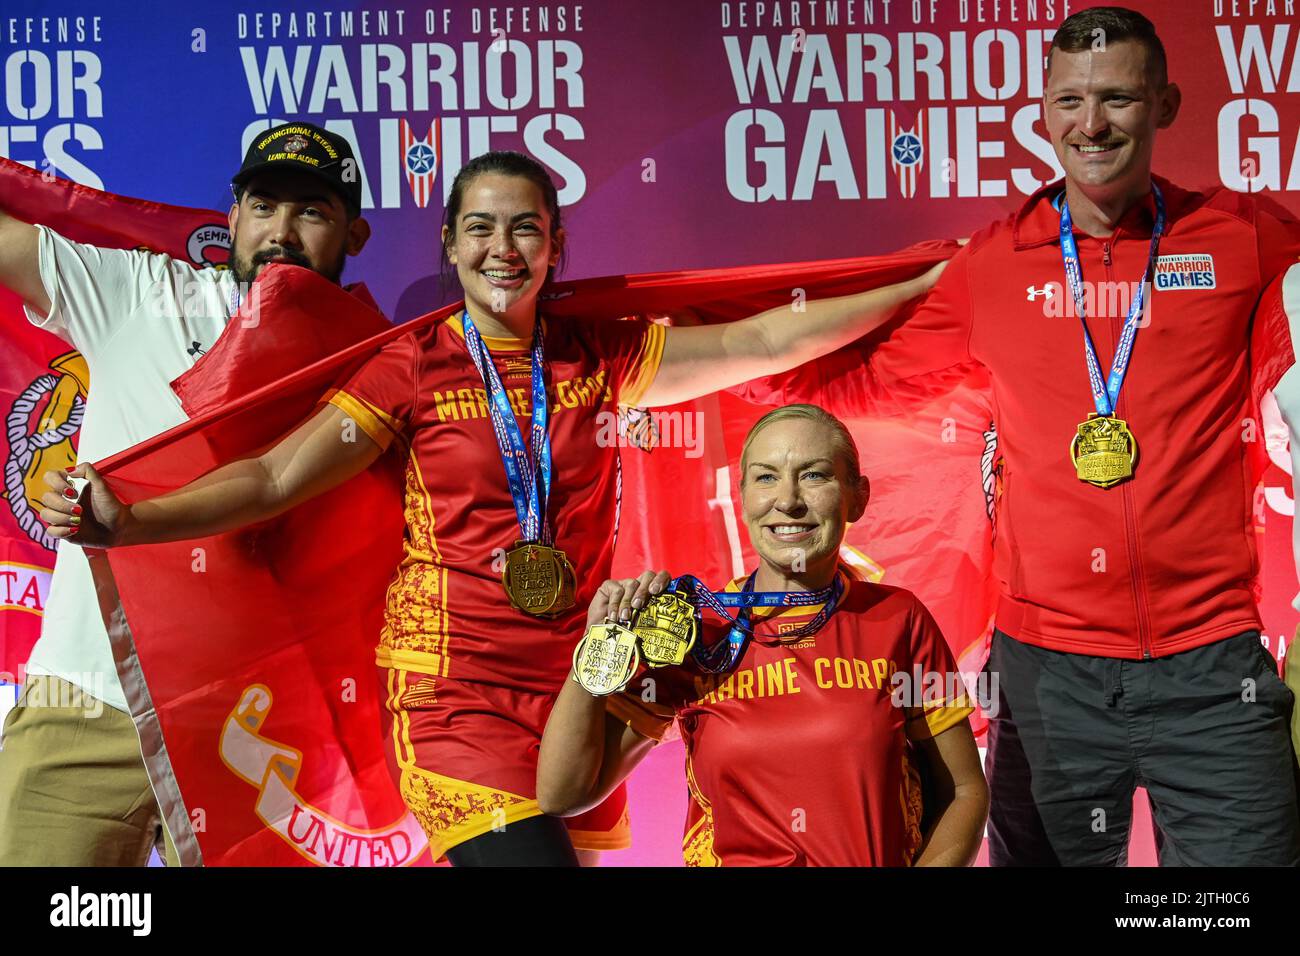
[
  {"x": 521, "y": 468},
  {"x": 1106, "y": 396},
  {"x": 722, "y": 656}
]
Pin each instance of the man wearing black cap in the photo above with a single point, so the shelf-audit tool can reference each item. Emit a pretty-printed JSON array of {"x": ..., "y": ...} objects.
[
  {"x": 73, "y": 786},
  {"x": 302, "y": 165}
]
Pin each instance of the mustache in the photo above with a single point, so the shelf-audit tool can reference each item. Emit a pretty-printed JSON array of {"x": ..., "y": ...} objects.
[{"x": 280, "y": 252}]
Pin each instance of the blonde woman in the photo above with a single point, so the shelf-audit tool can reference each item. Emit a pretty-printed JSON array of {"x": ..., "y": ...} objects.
[{"x": 805, "y": 745}]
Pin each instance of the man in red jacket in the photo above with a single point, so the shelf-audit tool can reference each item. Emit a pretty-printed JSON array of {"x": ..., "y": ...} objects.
[{"x": 1127, "y": 641}]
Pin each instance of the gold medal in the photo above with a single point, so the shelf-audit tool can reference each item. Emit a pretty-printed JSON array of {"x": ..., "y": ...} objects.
[
  {"x": 538, "y": 580},
  {"x": 666, "y": 629},
  {"x": 605, "y": 659},
  {"x": 1104, "y": 451}
]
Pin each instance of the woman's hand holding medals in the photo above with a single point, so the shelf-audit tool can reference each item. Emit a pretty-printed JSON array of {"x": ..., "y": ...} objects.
[
  {"x": 631, "y": 620},
  {"x": 620, "y": 599}
]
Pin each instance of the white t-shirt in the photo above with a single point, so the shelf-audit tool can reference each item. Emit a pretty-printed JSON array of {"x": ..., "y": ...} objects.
[{"x": 140, "y": 320}]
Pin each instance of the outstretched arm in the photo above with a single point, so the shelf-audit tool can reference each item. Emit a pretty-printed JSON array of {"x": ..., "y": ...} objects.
[
  {"x": 318, "y": 455},
  {"x": 20, "y": 262},
  {"x": 704, "y": 359}
]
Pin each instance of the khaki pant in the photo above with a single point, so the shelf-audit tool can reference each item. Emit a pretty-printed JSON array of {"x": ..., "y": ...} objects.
[{"x": 73, "y": 786}]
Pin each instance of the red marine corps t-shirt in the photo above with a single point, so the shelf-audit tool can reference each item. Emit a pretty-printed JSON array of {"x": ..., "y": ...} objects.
[
  {"x": 446, "y": 612},
  {"x": 800, "y": 756}
]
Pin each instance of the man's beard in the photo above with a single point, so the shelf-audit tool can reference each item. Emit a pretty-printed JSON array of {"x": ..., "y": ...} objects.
[{"x": 245, "y": 270}]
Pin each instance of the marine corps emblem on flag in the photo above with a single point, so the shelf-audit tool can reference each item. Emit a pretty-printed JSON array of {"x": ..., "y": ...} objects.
[
  {"x": 637, "y": 426},
  {"x": 41, "y": 426}
]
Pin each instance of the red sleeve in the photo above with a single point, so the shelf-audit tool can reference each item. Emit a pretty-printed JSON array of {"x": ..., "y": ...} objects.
[
  {"x": 905, "y": 366},
  {"x": 642, "y": 710},
  {"x": 381, "y": 396},
  {"x": 941, "y": 700},
  {"x": 1272, "y": 351},
  {"x": 633, "y": 347},
  {"x": 1278, "y": 235}
]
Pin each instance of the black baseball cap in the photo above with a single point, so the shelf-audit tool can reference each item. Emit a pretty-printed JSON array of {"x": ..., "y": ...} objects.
[{"x": 309, "y": 149}]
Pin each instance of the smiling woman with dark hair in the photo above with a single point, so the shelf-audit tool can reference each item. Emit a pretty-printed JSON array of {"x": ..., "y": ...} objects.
[{"x": 806, "y": 744}]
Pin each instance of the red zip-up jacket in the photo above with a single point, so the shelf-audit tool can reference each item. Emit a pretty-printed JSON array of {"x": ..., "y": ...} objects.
[{"x": 1163, "y": 562}]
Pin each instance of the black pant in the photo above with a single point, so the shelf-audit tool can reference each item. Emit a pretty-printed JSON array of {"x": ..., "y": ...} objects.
[
  {"x": 1206, "y": 732},
  {"x": 535, "y": 841}
]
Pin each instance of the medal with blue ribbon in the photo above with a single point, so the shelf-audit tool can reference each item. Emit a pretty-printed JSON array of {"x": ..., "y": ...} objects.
[
  {"x": 668, "y": 627},
  {"x": 1103, "y": 448},
  {"x": 537, "y": 577},
  {"x": 722, "y": 656}
]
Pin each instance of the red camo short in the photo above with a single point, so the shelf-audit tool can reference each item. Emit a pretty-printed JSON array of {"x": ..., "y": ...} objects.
[{"x": 464, "y": 755}]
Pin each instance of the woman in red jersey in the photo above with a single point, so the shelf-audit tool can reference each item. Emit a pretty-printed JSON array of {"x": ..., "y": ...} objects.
[
  {"x": 498, "y": 412},
  {"x": 806, "y": 745}
]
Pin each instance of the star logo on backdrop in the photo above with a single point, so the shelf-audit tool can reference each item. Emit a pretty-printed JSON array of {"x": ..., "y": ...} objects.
[
  {"x": 907, "y": 150},
  {"x": 421, "y": 158}
]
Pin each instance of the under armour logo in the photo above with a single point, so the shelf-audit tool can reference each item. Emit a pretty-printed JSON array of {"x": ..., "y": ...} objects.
[
  {"x": 1031, "y": 293},
  {"x": 196, "y": 349}
]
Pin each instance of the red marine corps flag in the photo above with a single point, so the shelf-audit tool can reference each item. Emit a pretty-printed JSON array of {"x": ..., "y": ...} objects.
[
  {"x": 43, "y": 386},
  {"x": 44, "y": 382}
]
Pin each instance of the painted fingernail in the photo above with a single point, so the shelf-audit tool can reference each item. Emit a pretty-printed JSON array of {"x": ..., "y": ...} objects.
[
  {"x": 75, "y": 520},
  {"x": 69, "y": 494},
  {"x": 76, "y": 509}
]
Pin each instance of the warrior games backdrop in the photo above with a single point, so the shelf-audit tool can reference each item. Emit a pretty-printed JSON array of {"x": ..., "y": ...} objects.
[{"x": 683, "y": 134}]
